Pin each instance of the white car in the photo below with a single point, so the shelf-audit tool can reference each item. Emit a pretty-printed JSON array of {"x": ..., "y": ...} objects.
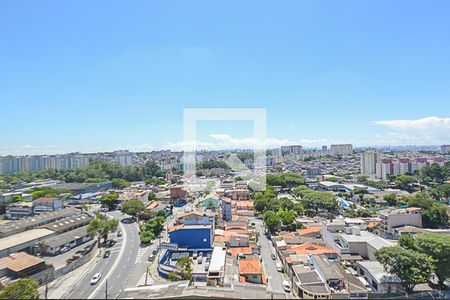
[
  {"x": 96, "y": 278},
  {"x": 286, "y": 286},
  {"x": 279, "y": 267}
]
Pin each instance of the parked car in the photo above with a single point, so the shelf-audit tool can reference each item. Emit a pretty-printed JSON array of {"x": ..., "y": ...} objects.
[
  {"x": 119, "y": 233},
  {"x": 106, "y": 254},
  {"x": 286, "y": 286},
  {"x": 96, "y": 278},
  {"x": 150, "y": 257},
  {"x": 154, "y": 252},
  {"x": 64, "y": 249},
  {"x": 273, "y": 256},
  {"x": 111, "y": 243},
  {"x": 279, "y": 267}
]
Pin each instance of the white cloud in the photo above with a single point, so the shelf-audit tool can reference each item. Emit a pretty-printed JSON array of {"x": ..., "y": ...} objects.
[
  {"x": 429, "y": 130},
  {"x": 433, "y": 123}
]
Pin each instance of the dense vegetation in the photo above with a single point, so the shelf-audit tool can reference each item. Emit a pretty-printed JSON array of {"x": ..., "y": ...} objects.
[
  {"x": 212, "y": 164},
  {"x": 24, "y": 288},
  {"x": 152, "y": 228},
  {"x": 285, "y": 180}
]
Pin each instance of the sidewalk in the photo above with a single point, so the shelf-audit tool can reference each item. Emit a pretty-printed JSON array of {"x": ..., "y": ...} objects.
[{"x": 63, "y": 286}]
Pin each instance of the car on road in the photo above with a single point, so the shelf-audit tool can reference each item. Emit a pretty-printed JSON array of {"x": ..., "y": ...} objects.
[
  {"x": 150, "y": 257},
  {"x": 273, "y": 256},
  {"x": 106, "y": 254},
  {"x": 96, "y": 278},
  {"x": 279, "y": 267},
  {"x": 286, "y": 286},
  {"x": 154, "y": 252},
  {"x": 119, "y": 233},
  {"x": 110, "y": 243}
]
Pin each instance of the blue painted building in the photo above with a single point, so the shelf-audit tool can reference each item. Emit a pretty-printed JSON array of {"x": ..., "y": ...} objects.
[{"x": 192, "y": 236}]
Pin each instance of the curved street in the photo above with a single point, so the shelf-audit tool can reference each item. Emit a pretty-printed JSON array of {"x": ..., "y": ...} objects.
[{"x": 116, "y": 269}]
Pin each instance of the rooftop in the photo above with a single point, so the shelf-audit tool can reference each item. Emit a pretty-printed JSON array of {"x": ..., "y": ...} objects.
[
  {"x": 19, "y": 261},
  {"x": 23, "y": 237},
  {"x": 250, "y": 266},
  {"x": 218, "y": 258},
  {"x": 67, "y": 237},
  {"x": 27, "y": 223}
]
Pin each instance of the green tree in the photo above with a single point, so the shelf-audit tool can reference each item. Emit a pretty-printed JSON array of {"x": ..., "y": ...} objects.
[
  {"x": 435, "y": 217},
  {"x": 94, "y": 229},
  {"x": 438, "y": 247},
  {"x": 109, "y": 226},
  {"x": 151, "y": 196},
  {"x": 118, "y": 183},
  {"x": 315, "y": 201},
  {"x": 391, "y": 199},
  {"x": 132, "y": 207},
  {"x": 183, "y": 270},
  {"x": 24, "y": 288},
  {"x": 409, "y": 266},
  {"x": 109, "y": 200},
  {"x": 406, "y": 182},
  {"x": 272, "y": 220},
  {"x": 261, "y": 205}
]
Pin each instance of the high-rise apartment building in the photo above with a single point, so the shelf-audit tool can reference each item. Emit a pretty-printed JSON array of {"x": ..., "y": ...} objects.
[
  {"x": 29, "y": 163},
  {"x": 369, "y": 160},
  {"x": 445, "y": 149},
  {"x": 341, "y": 149},
  {"x": 124, "y": 157}
]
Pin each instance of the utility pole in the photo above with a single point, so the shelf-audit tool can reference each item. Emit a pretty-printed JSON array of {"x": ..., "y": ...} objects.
[{"x": 106, "y": 289}]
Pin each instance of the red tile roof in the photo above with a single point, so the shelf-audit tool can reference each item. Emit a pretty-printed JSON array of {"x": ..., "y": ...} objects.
[
  {"x": 250, "y": 266},
  {"x": 312, "y": 229}
]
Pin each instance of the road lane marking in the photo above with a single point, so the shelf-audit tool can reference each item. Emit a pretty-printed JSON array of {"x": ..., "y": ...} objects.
[{"x": 119, "y": 257}]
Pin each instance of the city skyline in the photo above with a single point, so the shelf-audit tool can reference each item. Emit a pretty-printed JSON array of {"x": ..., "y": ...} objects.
[{"x": 120, "y": 79}]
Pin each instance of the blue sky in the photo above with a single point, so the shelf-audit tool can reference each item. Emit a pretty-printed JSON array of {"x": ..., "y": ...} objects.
[{"x": 105, "y": 75}]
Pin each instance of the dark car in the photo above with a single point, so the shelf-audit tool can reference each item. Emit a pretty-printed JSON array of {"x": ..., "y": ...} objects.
[
  {"x": 273, "y": 256},
  {"x": 154, "y": 252},
  {"x": 106, "y": 254},
  {"x": 111, "y": 243}
]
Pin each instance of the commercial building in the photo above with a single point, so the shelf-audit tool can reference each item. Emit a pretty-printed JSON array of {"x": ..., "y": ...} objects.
[
  {"x": 19, "y": 265},
  {"x": 19, "y": 210},
  {"x": 380, "y": 281},
  {"x": 15, "y": 227},
  {"x": 341, "y": 150},
  {"x": 351, "y": 242},
  {"x": 23, "y": 241},
  {"x": 43, "y": 205},
  {"x": 192, "y": 236},
  {"x": 69, "y": 239},
  {"x": 390, "y": 220}
]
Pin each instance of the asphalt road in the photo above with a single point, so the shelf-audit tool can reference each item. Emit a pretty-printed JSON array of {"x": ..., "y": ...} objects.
[
  {"x": 115, "y": 269},
  {"x": 275, "y": 278}
]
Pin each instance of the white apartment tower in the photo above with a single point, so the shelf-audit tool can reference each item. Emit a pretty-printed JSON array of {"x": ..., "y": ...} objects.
[
  {"x": 369, "y": 160},
  {"x": 341, "y": 149}
]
